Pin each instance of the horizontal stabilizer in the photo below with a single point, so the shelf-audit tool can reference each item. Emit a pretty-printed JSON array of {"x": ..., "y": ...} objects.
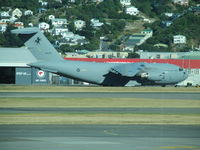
[{"x": 44, "y": 66}]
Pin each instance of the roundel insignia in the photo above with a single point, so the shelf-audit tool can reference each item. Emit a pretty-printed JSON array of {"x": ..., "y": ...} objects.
[{"x": 40, "y": 74}]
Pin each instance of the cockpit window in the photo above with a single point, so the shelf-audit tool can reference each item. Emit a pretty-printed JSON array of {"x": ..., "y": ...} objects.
[{"x": 180, "y": 69}]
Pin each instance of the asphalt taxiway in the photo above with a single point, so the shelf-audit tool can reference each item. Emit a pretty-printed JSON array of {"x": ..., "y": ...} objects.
[
  {"x": 99, "y": 137},
  {"x": 151, "y": 95}
]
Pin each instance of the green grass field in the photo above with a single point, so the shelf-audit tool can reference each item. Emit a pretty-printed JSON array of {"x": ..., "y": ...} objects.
[
  {"x": 96, "y": 102},
  {"x": 174, "y": 119}
]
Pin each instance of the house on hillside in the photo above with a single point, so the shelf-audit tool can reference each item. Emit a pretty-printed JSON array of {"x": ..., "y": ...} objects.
[
  {"x": 132, "y": 11},
  {"x": 19, "y": 25},
  {"x": 59, "y": 31},
  {"x": 96, "y": 23},
  {"x": 4, "y": 21},
  {"x": 58, "y": 22},
  {"x": 97, "y": 1},
  {"x": 4, "y": 14},
  {"x": 125, "y": 2},
  {"x": 74, "y": 39},
  {"x": 44, "y": 26},
  {"x": 168, "y": 14},
  {"x": 79, "y": 24},
  {"x": 166, "y": 23},
  {"x": 17, "y": 13},
  {"x": 147, "y": 32},
  {"x": 179, "y": 39},
  {"x": 30, "y": 24},
  {"x": 43, "y": 3},
  {"x": 28, "y": 13},
  {"x": 51, "y": 17},
  {"x": 3, "y": 28},
  {"x": 72, "y": 1},
  {"x": 181, "y": 2}
]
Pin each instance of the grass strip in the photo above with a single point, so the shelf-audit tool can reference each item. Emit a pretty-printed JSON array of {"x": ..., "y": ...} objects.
[
  {"x": 99, "y": 119},
  {"x": 96, "y": 102},
  {"x": 36, "y": 88}
]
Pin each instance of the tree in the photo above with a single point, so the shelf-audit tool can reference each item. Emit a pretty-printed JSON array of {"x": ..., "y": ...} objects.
[
  {"x": 11, "y": 40},
  {"x": 2, "y": 39},
  {"x": 71, "y": 27},
  {"x": 133, "y": 55},
  {"x": 26, "y": 4}
]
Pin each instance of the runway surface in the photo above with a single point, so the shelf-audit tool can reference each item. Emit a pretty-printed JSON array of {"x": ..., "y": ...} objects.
[
  {"x": 99, "y": 137},
  {"x": 151, "y": 95},
  {"x": 100, "y": 110}
]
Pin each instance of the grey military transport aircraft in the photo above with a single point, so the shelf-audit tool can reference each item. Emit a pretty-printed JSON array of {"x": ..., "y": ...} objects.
[{"x": 106, "y": 74}]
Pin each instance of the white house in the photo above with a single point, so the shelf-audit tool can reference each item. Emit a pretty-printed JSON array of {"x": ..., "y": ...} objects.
[
  {"x": 44, "y": 26},
  {"x": 3, "y": 28},
  {"x": 167, "y": 23},
  {"x": 28, "y": 13},
  {"x": 58, "y": 22},
  {"x": 96, "y": 23},
  {"x": 72, "y": 1},
  {"x": 132, "y": 11},
  {"x": 30, "y": 24},
  {"x": 70, "y": 36},
  {"x": 43, "y": 3},
  {"x": 98, "y": 1},
  {"x": 51, "y": 17},
  {"x": 17, "y": 13},
  {"x": 4, "y": 21},
  {"x": 5, "y": 14},
  {"x": 169, "y": 14},
  {"x": 59, "y": 31},
  {"x": 181, "y": 2},
  {"x": 147, "y": 32},
  {"x": 79, "y": 24},
  {"x": 179, "y": 39},
  {"x": 125, "y": 2}
]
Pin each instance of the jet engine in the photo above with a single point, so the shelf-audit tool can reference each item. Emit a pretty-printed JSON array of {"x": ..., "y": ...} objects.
[{"x": 153, "y": 76}]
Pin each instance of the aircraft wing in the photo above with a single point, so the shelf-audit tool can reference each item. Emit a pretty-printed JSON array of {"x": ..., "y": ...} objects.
[{"x": 129, "y": 69}]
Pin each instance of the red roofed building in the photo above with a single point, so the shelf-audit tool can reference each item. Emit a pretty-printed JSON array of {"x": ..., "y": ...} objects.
[{"x": 18, "y": 25}]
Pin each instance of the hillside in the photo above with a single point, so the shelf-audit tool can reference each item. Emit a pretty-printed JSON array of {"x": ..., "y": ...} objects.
[
  {"x": 187, "y": 25},
  {"x": 116, "y": 23}
]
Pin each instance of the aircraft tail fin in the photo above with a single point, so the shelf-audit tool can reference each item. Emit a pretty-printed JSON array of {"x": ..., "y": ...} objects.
[{"x": 38, "y": 44}]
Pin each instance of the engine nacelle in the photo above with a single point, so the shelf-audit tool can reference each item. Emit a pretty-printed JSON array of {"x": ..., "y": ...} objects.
[{"x": 154, "y": 76}]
